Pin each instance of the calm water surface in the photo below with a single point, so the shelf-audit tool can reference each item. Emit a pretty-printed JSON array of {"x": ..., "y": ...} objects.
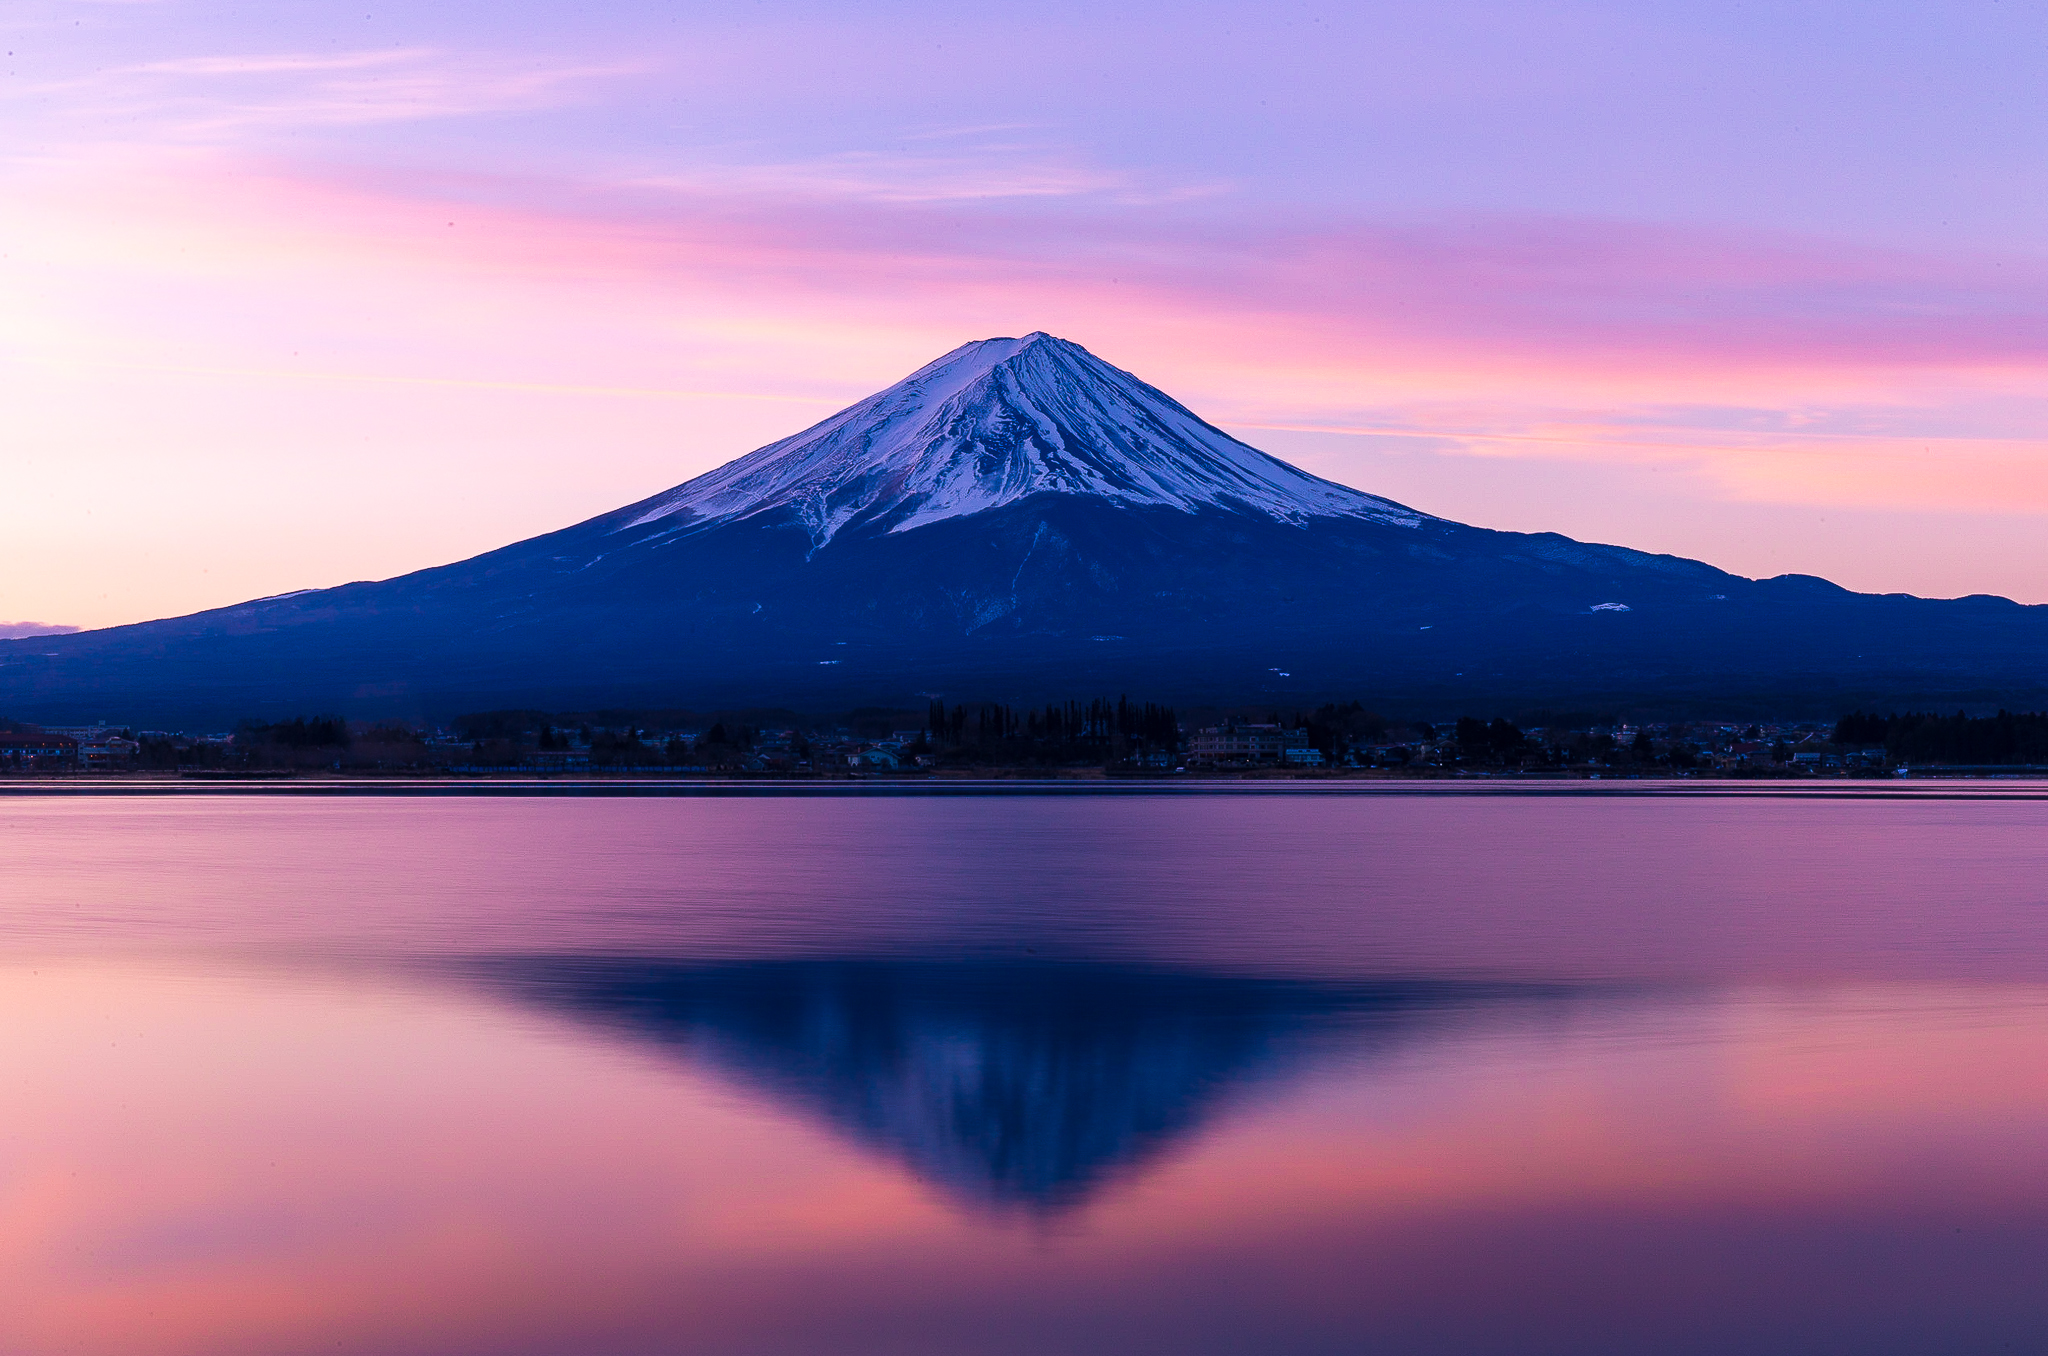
[{"x": 1024, "y": 1075}]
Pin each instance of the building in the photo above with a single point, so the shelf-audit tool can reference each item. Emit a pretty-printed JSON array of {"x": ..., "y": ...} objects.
[
  {"x": 39, "y": 752},
  {"x": 100, "y": 746},
  {"x": 100, "y": 752},
  {"x": 1234, "y": 742}
]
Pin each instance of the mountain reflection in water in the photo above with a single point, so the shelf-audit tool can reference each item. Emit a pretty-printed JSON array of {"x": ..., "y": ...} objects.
[{"x": 1013, "y": 1086}]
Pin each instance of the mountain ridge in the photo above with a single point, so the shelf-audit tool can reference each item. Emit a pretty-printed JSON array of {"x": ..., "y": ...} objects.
[
  {"x": 996, "y": 421},
  {"x": 1020, "y": 520}
]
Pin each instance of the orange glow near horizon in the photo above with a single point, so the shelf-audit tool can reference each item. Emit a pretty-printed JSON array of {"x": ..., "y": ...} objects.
[{"x": 373, "y": 375}]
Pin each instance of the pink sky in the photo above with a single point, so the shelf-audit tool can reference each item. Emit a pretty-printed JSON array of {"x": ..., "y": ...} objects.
[{"x": 289, "y": 307}]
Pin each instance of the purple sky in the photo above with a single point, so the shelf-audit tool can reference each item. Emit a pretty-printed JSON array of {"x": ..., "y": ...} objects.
[{"x": 297, "y": 293}]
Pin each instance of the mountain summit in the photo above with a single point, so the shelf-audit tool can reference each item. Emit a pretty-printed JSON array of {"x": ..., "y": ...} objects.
[
  {"x": 1019, "y": 520},
  {"x": 995, "y": 422}
]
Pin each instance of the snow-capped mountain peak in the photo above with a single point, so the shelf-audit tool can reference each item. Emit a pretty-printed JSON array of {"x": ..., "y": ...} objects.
[{"x": 996, "y": 421}]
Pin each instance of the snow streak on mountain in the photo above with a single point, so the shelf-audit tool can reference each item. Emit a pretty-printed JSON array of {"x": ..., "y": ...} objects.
[
  {"x": 1075, "y": 531},
  {"x": 994, "y": 422}
]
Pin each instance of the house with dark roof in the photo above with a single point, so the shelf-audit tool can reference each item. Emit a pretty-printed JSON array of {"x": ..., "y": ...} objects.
[{"x": 22, "y": 751}]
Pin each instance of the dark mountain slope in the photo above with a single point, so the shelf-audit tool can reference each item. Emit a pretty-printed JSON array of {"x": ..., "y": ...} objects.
[{"x": 950, "y": 536}]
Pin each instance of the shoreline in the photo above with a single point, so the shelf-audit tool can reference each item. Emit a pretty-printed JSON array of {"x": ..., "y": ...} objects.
[{"x": 2023, "y": 785}]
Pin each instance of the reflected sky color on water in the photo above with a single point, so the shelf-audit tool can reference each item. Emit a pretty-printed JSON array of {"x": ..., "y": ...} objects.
[
  {"x": 1011, "y": 1085},
  {"x": 1216, "y": 1075}
]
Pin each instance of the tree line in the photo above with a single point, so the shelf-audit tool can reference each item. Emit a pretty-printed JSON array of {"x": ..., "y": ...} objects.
[{"x": 2010, "y": 737}]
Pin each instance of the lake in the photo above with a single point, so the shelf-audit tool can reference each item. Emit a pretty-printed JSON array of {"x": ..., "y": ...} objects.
[{"x": 1005, "y": 1073}]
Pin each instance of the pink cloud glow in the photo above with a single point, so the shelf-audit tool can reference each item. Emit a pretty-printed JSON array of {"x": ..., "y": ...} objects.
[{"x": 645, "y": 333}]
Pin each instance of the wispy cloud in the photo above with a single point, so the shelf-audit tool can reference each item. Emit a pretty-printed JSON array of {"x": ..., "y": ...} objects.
[
  {"x": 1676, "y": 311},
  {"x": 887, "y": 178},
  {"x": 418, "y": 308},
  {"x": 981, "y": 129},
  {"x": 932, "y": 166},
  {"x": 274, "y": 64},
  {"x": 211, "y": 98}
]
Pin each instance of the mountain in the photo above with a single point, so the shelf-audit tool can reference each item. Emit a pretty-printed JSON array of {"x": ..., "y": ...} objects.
[
  {"x": 1019, "y": 520},
  {"x": 1010, "y": 1085},
  {"x": 993, "y": 424}
]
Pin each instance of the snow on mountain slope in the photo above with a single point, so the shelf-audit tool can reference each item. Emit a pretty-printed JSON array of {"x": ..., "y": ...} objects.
[{"x": 993, "y": 422}]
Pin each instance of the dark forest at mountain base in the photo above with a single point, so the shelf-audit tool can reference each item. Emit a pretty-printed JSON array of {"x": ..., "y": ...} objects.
[
  {"x": 2010, "y": 737},
  {"x": 1095, "y": 736}
]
